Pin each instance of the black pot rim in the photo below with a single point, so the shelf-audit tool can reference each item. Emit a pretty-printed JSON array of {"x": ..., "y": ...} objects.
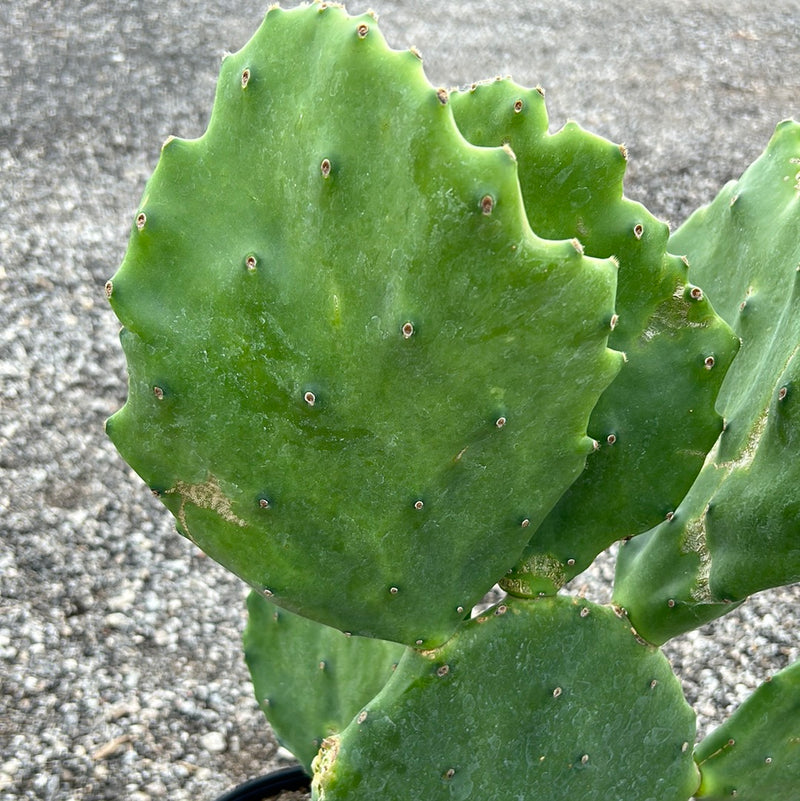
[{"x": 294, "y": 778}]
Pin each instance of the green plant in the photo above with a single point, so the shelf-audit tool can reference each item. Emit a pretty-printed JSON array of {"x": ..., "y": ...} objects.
[{"x": 368, "y": 325}]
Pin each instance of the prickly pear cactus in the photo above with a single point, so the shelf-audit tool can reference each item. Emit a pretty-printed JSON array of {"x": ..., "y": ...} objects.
[
  {"x": 657, "y": 420},
  {"x": 755, "y": 754},
  {"x": 310, "y": 679},
  {"x": 738, "y": 529},
  {"x": 551, "y": 698},
  {"x": 357, "y": 378}
]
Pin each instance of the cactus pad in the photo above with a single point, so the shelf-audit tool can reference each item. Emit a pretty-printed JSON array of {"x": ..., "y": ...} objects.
[
  {"x": 657, "y": 420},
  {"x": 755, "y": 754},
  {"x": 357, "y": 378},
  {"x": 738, "y": 529},
  {"x": 551, "y": 698},
  {"x": 310, "y": 679}
]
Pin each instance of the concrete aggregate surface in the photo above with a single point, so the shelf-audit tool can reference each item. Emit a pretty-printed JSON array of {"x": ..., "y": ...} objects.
[{"x": 121, "y": 674}]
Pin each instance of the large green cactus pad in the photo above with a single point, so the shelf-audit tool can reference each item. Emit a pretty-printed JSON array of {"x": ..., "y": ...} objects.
[
  {"x": 755, "y": 755},
  {"x": 657, "y": 421},
  {"x": 310, "y": 679},
  {"x": 357, "y": 377},
  {"x": 546, "y": 699},
  {"x": 738, "y": 530}
]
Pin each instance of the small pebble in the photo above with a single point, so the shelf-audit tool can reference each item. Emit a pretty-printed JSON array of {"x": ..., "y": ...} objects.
[{"x": 214, "y": 742}]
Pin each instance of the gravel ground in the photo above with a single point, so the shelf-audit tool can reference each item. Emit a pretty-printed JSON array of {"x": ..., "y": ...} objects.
[{"x": 120, "y": 665}]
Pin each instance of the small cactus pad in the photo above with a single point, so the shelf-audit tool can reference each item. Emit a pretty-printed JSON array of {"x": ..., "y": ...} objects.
[
  {"x": 755, "y": 755},
  {"x": 738, "y": 529},
  {"x": 657, "y": 420},
  {"x": 311, "y": 680},
  {"x": 357, "y": 377},
  {"x": 546, "y": 699}
]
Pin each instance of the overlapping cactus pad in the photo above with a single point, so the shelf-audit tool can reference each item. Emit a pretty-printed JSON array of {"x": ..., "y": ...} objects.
[
  {"x": 536, "y": 699},
  {"x": 755, "y": 755},
  {"x": 657, "y": 421},
  {"x": 357, "y": 377},
  {"x": 311, "y": 680},
  {"x": 738, "y": 529}
]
